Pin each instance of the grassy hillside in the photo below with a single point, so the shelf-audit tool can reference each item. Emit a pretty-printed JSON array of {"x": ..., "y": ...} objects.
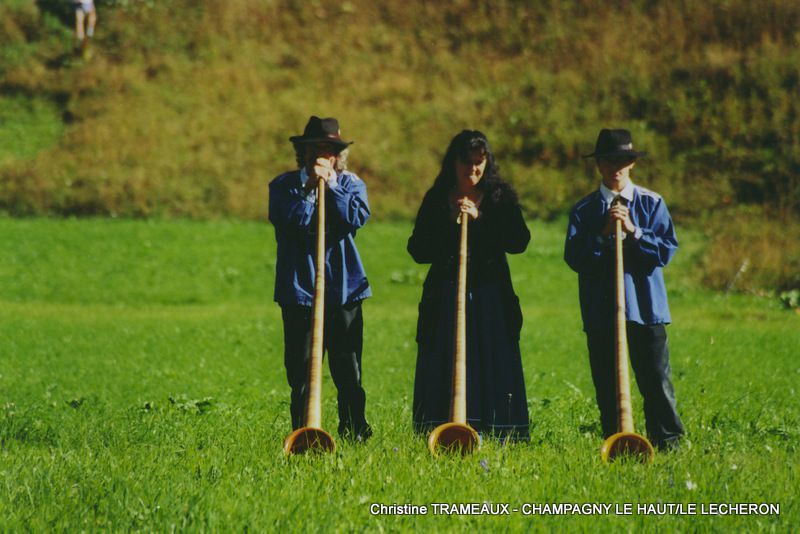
[
  {"x": 185, "y": 107},
  {"x": 142, "y": 389}
]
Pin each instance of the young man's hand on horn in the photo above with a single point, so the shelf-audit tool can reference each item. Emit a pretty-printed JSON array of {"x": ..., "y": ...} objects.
[{"x": 618, "y": 212}]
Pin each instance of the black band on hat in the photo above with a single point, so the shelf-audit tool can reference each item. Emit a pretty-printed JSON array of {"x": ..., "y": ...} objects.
[{"x": 615, "y": 143}]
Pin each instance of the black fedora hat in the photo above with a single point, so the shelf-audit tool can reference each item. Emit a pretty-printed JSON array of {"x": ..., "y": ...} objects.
[
  {"x": 321, "y": 131},
  {"x": 616, "y": 143}
]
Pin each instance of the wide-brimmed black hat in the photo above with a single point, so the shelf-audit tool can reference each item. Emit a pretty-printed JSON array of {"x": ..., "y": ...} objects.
[
  {"x": 321, "y": 131},
  {"x": 614, "y": 144}
]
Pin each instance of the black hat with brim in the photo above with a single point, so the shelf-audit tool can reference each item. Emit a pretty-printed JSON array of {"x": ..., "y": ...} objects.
[
  {"x": 321, "y": 131},
  {"x": 616, "y": 143}
]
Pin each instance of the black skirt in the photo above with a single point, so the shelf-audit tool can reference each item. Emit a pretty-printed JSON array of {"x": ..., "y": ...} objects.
[{"x": 496, "y": 400}]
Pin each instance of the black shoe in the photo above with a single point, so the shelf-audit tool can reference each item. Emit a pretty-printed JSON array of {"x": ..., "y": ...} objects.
[
  {"x": 357, "y": 435},
  {"x": 668, "y": 445}
]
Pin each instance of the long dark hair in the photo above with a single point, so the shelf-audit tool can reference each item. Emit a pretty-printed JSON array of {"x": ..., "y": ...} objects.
[{"x": 461, "y": 146}]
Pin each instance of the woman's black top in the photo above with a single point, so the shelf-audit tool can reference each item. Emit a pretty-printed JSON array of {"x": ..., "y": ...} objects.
[{"x": 500, "y": 229}]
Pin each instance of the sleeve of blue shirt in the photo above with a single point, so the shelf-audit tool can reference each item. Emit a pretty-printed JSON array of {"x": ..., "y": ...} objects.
[
  {"x": 289, "y": 206},
  {"x": 658, "y": 242},
  {"x": 584, "y": 248},
  {"x": 350, "y": 204}
]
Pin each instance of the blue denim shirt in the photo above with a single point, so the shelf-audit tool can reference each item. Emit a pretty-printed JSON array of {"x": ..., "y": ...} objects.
[
  {"x": 646, "y": 252},
  {"x": 292, "y": 211}
]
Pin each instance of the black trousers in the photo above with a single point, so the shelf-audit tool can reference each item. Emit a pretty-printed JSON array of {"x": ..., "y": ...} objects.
[
  {"x": 649, "y": 356},
  {"x": 343, "y": 334}
]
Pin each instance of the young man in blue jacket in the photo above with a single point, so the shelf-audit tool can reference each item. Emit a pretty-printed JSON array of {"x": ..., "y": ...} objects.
[
  {"x": 650, "y": 243},
  {"x": 322, "y": 154}
]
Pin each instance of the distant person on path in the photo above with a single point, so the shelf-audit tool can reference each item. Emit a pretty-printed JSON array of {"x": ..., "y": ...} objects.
[
  {"x": 85, "y": 20},
  {"x": 322, "y": 154},
  {"x": 650, "y": 243},
  {"x": 469, "y": 182}
]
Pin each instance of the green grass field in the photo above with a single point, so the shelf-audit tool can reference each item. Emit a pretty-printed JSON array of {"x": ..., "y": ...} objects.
[{"x": 142, "y": 388}]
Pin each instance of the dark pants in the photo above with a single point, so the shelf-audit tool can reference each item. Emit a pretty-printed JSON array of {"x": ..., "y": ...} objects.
[
  {"x": 649, "y": 355},
  {"x": 344, "y": 326}
]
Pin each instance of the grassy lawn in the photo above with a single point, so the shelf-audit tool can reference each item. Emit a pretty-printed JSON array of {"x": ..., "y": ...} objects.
[{"x": 142, "y": 388}]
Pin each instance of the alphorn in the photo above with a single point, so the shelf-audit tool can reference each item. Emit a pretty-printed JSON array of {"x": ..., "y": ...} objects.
[
  {"x": 457, "y": 435},
  {"x": 626, "y": 441},
  {"x": 311, "y": 437}
]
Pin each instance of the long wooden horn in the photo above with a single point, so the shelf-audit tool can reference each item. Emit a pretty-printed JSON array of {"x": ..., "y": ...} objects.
[
  {"x": 458, "y": 402},
  {"x": 626, "y": 440},
  {"x": 457, "y": 435},
  {"x": 311, "y": 436},
  {"x": 624, "y": 409}
]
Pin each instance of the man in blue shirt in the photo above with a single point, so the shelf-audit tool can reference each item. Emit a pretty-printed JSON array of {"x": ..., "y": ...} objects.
[
  {"x": 650, "y": 243},
  {"x": 321, "y": 154}
]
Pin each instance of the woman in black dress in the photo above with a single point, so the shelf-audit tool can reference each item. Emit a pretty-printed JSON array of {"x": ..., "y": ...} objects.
[{"x": 496, "y": 401}]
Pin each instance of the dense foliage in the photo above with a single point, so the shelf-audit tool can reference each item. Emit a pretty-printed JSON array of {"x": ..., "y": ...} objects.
[{"x": 185, "y": 107}]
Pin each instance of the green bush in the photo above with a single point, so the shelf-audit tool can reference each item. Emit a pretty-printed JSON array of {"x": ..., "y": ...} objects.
[{"x": 749, "y": 251}]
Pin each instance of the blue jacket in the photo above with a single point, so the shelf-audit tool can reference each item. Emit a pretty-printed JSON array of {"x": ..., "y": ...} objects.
[
  {"x": 645, "y": 254},
  {"x": 292, "y": 212}
]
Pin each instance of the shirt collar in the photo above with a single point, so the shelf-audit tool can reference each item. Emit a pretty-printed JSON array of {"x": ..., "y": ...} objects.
[
  {"x": 303, "y": 176},
  {"x": 609, "y": 195}
]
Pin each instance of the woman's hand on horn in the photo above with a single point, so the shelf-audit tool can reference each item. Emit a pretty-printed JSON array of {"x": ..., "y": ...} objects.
[{"x": 465, "y": 205}]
